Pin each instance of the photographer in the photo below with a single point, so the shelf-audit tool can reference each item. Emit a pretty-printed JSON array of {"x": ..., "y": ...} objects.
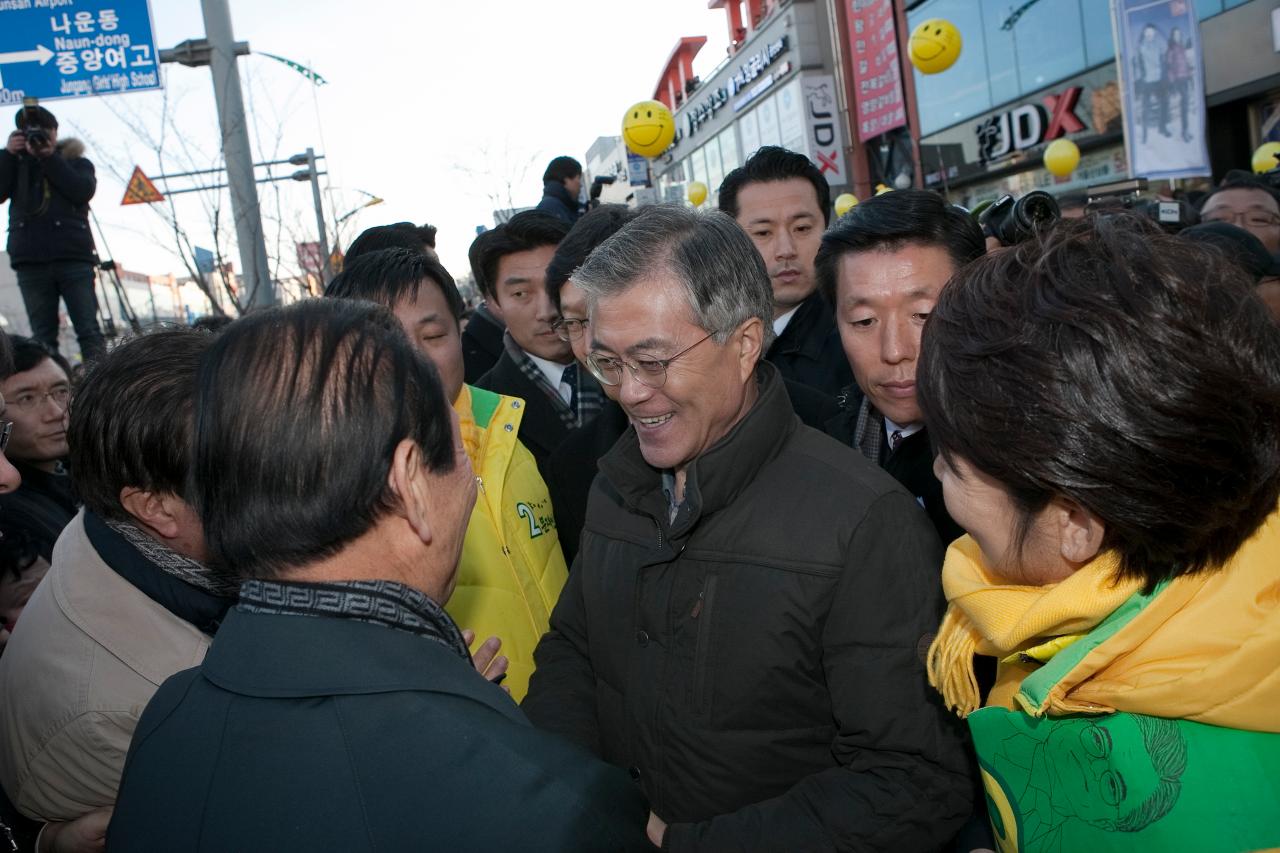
[{"x": 48, "y": 185}]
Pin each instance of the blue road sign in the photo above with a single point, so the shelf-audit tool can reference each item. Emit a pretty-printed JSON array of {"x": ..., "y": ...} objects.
[{"x": 72, "y": 48}]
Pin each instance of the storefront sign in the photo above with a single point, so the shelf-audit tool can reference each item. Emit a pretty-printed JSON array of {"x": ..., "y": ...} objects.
[
  {"x": 1028, "y": 125},
  {"x": 715, "y": 100},
  {"x": 1086, "y": 108},
  {"x": 825, "y": 142},
  {"x": 877, "y": 74}
]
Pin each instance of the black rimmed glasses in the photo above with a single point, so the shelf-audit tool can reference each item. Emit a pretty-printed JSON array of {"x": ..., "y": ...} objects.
[
  {"x": 568, "y": 329},
  {"x": 649, "y": 372}
]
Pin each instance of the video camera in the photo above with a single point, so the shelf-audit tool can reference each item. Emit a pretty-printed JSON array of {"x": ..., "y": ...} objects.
[
  {"x": 1120, "y": 196},
  {"x": 1011, "y": 220},
  {"x": 598, "y": 184}
]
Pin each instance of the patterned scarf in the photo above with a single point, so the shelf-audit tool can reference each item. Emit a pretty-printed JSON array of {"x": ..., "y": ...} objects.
[
  {"x": 590, "y": 399},
  {"x": 868, "y": 432},
  {"x": 379, "y": 602},
  {"x": 175, "y": 565}
]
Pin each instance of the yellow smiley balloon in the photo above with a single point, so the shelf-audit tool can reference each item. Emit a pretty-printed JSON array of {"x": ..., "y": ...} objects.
[
  {"x": 1267, "y": 157},
  {"x": 648, "y": 128},
  {"x": 934, "y": 46},
  {"x": 697, "y": 193},
  {"x": 845, "y": 202}
]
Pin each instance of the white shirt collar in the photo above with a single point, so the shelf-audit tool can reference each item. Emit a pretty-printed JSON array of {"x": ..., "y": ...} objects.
[
  {"x": 554, "y": 373},
  {"x": 780, "y": 323},
  {"x": 890, "y": 428}
]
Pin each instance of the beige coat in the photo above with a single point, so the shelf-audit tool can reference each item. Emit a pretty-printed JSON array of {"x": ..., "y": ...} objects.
[{"x": 84, "y": 660}]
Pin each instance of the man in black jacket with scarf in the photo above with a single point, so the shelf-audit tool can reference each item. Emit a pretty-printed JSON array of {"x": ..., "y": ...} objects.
[
  {"x": 745, "y": 625},
  {"x": 338, "y": 708},
  {"x": 48, "y": 185},
  {"x": 882, "y": 266}
]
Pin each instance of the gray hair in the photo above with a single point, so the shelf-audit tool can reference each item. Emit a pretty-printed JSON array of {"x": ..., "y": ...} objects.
[{"x": 723, "y": 275}]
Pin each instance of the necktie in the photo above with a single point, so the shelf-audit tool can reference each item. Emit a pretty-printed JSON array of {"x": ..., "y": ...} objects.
[
  {"x": 570, "y": 378},
  {"x": 895, "y": 440}
]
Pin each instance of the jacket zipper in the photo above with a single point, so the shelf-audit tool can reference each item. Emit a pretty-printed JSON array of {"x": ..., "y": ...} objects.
[{"x": 702, "y": 650}]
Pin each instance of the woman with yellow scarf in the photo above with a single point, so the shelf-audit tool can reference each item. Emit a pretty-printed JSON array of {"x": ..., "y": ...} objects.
[{"x": 1106, "y": 404}]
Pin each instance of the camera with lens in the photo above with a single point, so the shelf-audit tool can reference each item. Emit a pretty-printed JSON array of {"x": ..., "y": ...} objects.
[
  {"x": 36, "y": 135},
  {"x": 1011, "y": 220},
  {"x": 1127, "y": 196}
]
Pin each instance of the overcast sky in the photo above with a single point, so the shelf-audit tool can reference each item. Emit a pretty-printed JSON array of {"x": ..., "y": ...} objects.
[{"x": 432, "y": 106}]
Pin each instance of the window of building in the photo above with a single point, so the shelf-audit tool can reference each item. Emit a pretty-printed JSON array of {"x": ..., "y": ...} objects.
[{"x": 1047, "y": 42}]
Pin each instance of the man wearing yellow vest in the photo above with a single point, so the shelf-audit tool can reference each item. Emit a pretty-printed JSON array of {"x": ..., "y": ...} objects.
[{"x": 512, "y": 569}]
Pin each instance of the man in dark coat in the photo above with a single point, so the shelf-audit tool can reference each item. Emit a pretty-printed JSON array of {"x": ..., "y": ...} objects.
[
  {"x": 561, "y": 186},
  {"x": 48, "y": 185},
  {"x": 783, "y": 203},
  {"x": 36, "y": 396},
  {"x": 745, "y": 624},
  {"x": 338, "y": 708},
  {"x": 537, "y": 365},
  {"x": 882, "y": 266}
]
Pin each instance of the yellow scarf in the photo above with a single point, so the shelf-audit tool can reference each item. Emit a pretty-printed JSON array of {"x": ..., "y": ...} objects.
[
  {"x": 987, "y": 617},
  {"x": 1204, "y": 649}
]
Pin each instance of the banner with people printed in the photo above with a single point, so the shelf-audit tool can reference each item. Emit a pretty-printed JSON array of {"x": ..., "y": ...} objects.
[{"x": 1159, "y": 60}]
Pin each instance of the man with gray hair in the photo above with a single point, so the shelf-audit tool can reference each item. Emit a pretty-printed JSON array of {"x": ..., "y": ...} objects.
[{"x": 744, "y": 625}]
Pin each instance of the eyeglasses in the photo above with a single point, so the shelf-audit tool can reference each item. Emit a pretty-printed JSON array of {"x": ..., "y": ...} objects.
[
  {"x": 28, "y": 400},
  {"x": 568, "y": 329},
  {"x": 6, "y": 430},
  {"x": 1249, "y": 219},
  {"x": 649, "y": 372}
]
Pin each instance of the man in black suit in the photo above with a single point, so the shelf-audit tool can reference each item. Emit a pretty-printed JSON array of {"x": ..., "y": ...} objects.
[
  {"x": 338, "y": 707},
  {"x": 783, "y": 203},
  {"x": 882, "y": 266},
  {"x": 536, "y": 365}
]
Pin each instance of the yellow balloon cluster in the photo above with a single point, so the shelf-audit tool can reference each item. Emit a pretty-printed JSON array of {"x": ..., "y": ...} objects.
[
  {"x": 648, "y": 128},
  {"x": 845, "y": 202},
  {"x": 697, "y": 192},
  {"x": 1061, "y": 157},
  {"x": 934, "y": 46},
  {"x": 1267, "y": 157}
]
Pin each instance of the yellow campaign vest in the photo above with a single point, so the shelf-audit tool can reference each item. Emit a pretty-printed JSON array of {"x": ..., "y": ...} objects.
[{"x": 512, "y": 569}]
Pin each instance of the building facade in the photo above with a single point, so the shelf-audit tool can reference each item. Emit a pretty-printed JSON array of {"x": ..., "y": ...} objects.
[
  {"x": 1033, "y": 72},
  {"x": 775, "y": 88}
]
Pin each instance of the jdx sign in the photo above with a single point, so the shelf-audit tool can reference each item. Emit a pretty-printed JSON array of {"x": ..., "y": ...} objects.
[
  {"x": 826, "y": 143},
  {"x": 1029, "y": 125}
]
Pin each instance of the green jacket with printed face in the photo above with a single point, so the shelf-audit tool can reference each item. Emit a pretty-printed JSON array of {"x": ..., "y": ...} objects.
[{"x": 1122, "y": 781}]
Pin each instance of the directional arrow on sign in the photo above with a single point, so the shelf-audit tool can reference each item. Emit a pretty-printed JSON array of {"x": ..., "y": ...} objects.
[{"x": 41, "y": 54}]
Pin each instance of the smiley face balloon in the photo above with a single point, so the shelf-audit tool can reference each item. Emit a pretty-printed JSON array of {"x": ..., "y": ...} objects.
[
  {"x": 934, "y": 46},
  {"x": 648, "y": 128}
]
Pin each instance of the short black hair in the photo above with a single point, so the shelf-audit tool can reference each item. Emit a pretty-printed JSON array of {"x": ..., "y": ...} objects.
[
  {"x": 389, "y": 276},
  {"x": 6, "y": 354},
  {"x": 526, "y": 230},
  {"x": 212, "y": 323},
  {"x": 891, "y": 221},
  {"x": 37, "y": 116},
  {"x": 1122, "y": 368},
  {"x": 397, "y": 235},
  {"x": 561, "y": 169},
  {"x": 19, "y": 549},
  {"x": 28, "y": 353},
  {"x": 299, "y": 411},
  {"x": 773, "y": 163},
  {"x": 131, "y": 419},
  {"x": 587, "y": 233},
  {"x": 1238, "y": 179}
]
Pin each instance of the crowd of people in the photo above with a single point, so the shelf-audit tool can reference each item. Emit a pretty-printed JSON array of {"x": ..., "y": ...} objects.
[{"x": 751, "y": 529}]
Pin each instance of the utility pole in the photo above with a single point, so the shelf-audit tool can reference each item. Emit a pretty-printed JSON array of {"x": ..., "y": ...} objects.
[
  {"x": 237, "y": 153},
  {"x": 314, "y": 175}
]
